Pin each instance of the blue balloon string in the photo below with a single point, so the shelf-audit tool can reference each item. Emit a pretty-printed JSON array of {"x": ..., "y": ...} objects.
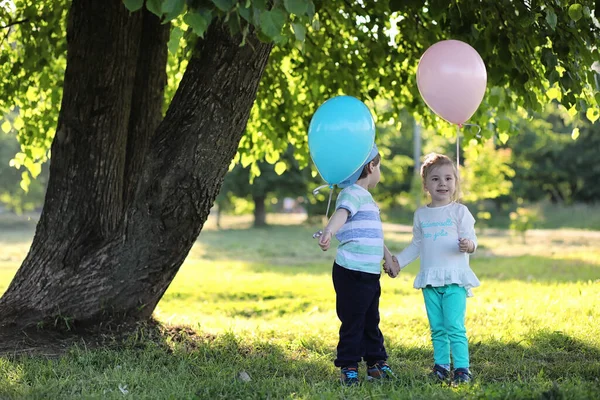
[{"x": 315, "y": 192}]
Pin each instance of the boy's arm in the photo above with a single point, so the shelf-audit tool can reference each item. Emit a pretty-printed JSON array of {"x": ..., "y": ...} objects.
[{"x": 337, "y": 220}]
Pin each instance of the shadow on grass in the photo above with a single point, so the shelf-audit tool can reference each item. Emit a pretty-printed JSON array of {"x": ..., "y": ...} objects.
[{"x": 169, "y": 362}]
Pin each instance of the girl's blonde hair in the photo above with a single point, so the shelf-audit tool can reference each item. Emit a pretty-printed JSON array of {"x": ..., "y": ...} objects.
[{"x": 434, "y": 160}]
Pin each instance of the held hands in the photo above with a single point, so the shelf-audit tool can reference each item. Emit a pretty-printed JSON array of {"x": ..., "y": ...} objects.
[
  {"x": 391, "y": 268},
  {"x": 325, "y": 239},
  {"x": 466, "y": 245}
]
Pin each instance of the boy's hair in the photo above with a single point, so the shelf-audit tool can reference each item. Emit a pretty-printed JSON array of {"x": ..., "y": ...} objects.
[
  {"x": 366, "y": 170},
  {"x": 433, "y": 160}
]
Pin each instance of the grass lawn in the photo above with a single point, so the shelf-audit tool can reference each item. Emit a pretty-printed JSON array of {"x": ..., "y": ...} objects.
[{"x": 251, "y": 314}]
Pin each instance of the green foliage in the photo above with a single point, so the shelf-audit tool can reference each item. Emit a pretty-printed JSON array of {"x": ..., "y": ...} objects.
[
  {"x": 240, "y": 16},
  {"x": 32, "y": 65},
  {"x": 18, "y": 192},
  {"x": 371, "y": 51},
  {"x": 549, "y": 163},
  {"x": 486, "y": 173}
]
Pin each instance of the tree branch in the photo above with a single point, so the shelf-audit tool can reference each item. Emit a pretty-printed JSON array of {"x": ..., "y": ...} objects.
[{"x": 14, "y": 23}]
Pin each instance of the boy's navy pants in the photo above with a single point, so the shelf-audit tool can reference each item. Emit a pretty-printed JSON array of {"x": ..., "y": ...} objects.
[{"x": 357, "y": 306}]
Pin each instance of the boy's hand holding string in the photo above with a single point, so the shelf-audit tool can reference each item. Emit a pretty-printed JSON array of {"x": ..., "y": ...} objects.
[{"x": 338, "y": 219}]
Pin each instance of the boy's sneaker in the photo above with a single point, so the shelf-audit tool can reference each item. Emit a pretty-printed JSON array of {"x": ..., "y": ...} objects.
[
  {"x": 349, "y": 376},
  {"x": 379, "y": 370},
  {"x": 462, "y": 375},
  {"x": 439, "y": 373}
]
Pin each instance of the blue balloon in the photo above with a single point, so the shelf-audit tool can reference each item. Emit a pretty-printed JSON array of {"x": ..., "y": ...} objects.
[{"x": 341, "y": 135}]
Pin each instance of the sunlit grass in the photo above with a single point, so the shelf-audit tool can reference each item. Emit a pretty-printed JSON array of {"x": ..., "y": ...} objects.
[{"x": 262, "y": 301}]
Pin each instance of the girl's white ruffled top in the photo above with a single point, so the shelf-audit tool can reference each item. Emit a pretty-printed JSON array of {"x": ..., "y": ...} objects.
[{"x": 436, "y": 232}]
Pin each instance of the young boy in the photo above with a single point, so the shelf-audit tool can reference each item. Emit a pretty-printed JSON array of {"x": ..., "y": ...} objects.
[{"x": 356, "y": 272}]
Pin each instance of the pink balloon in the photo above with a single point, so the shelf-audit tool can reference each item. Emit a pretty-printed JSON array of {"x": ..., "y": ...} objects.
[{"x": 451, "y": 78}]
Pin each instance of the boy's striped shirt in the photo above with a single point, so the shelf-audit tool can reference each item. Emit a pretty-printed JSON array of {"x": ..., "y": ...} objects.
[{"x": 361, "y": 237}]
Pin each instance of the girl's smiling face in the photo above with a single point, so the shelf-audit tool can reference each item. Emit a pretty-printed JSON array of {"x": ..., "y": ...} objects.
[{"x": 441, "y": 185}]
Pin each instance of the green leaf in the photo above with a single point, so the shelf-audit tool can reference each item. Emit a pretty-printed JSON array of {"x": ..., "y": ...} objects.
[
  {"x": 260, "y": 4},
  {"x": 316, "y": 24},
  {"x": 311, "y": 10},
  {"x": 170, "y": 5},
  {"x": 245, "y": 13},
  {"x": 18, "y": 123},
  {"x": 597, "y": 97},
  {"x": 224, "y": 5},
  {"x": 246, "y": 160},
  {"x": 551, "y": 18},
  {"x": 280, "y": 167},
  {"x": 494, "y": 100},
  {"x": 297, "y": 7},
  {"x": 154, "y": 6},
  {"x": 172, "y": 9},
  {"x": 299, "y": 31},
  {"x": 6, "y": 127},
  {"x": 198, "y": 22},
  {"x": 592, "y": 114},
  {"x": 553, "y": 93},
  {"x": 575, "y": 134},
  {"x": 575, "y": 12},
  {"x": 272, "y": 157},
  {"x": 504, "y": 125},
  {"x": 25, "y": 182},
  {"x": 133, "y": 5},
  {"x": 503, "y": 137},
  {"x": 271, "y": 22},
  {"x": 174, "y": 40},
  {"x": 234, "y": 25},
  {"x": 35, "y": 168}
]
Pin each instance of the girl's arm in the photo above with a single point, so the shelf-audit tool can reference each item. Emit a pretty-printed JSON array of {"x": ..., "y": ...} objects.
[
  {"x": 466, "y": 232},
  {"x": 337, "y": 220},
  {"x": 413, "y": 250}
]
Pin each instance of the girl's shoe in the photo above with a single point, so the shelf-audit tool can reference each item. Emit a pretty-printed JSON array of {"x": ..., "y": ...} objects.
[
  {"x": 349, "y": 376},
  {"x": 439, "y": 373},
  {"x": 379, "y": 370},
  {"x": 462, "y": 375}
]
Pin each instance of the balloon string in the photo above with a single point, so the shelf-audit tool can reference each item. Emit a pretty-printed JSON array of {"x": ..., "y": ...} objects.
[
  {"x": 458, "y": 126},
  {"x": 329, "y": 202},
  {"x": 318, "y": 234},
  {"x": 458, "y": 149}
]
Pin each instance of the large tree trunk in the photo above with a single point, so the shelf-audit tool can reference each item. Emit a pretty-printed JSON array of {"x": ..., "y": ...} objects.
[{"x": 128, "y": 194}]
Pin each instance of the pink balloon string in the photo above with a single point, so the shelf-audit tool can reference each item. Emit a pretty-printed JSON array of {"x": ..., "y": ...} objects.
[{"x": 458, "y": 128}]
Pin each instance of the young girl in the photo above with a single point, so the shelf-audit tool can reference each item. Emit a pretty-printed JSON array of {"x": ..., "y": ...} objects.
[{"x": 443, "y": 237}]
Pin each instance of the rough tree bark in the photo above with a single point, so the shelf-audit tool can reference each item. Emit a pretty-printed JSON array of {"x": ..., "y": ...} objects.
[{"x": 128, "y": 193}]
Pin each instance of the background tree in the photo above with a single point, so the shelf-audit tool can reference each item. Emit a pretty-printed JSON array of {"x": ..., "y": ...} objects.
[
  {"x": 130, "y": 189},
  {"x": 283, "y": 178}
]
